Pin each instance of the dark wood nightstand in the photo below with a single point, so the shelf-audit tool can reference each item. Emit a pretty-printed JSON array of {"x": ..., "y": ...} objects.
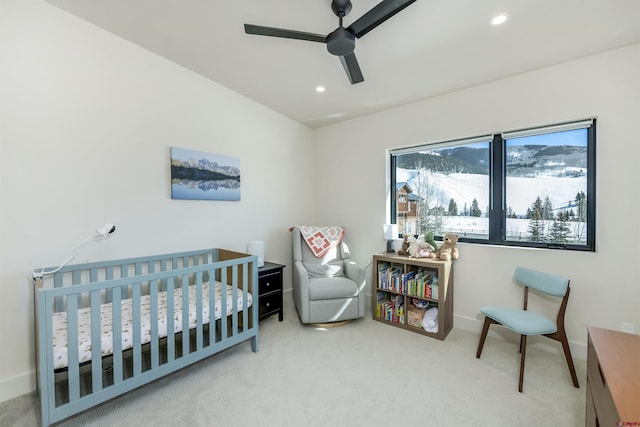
[{"x": 270, "y": 287}]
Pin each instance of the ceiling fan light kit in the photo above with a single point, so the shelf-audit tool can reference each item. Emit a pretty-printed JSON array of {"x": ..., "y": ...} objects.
[{"x": 342, "y": 41}]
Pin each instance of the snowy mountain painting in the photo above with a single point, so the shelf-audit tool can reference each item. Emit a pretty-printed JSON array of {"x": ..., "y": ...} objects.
[{"x": 203, "y": 176}]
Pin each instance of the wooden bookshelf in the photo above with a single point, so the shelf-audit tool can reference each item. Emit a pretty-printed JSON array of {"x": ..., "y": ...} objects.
[{"x": 406, "y": 289}]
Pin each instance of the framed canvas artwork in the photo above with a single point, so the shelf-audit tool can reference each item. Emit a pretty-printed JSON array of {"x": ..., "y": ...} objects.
[{"x": 197, "y": 175}]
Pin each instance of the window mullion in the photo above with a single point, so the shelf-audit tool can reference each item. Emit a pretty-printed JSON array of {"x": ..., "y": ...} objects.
[{"x": 496, "y": 210}]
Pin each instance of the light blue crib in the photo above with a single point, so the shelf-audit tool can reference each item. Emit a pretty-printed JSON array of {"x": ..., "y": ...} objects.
[{"x": 106, "y": 328}]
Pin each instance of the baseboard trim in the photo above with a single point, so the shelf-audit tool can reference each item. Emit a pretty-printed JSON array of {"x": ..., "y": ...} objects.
[{"x": 13, "y": 387}]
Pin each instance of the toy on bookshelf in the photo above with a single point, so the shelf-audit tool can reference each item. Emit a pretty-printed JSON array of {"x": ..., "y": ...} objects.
[
  {"x": 430, "y": 320},
  {"x": 420, "y": 303},
  {"x": 414, "y": 317}
]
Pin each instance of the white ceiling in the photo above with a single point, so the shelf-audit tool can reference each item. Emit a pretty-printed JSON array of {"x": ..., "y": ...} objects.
[{"x": 430, "y": 48}]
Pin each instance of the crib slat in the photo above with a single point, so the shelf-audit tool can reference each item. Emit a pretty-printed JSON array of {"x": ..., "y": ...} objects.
[
  {"x": 171, "y": 336},
  {"x": 136, "y": 325},
  {"x": 46, "y": 375},
  {"x": 163, "y": 267},
  {"x": 185, "y": 315},
  {"x": 212, "y": 307},
  {"x": 223, "y": 303},
  {"x": 124, "y": 272},
  {"x": 154, "y": 319},
  {"x": 73, "y": 370},
  {"x": 116, "y": 319},
  {"x": 109, "y": 276},
  {"x": 199, "y": 319},
  {"x": 245, "y": 296},
  {"x": 57, "y": 283},
  {"x": 96, "y": 343},
  {"x": 234, "y": 301}
]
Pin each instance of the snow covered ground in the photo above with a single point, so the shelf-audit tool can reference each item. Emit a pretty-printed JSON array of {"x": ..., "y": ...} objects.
[{"x": 521, "y": 193}]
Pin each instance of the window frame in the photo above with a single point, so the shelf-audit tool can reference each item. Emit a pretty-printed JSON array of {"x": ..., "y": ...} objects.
[{"x": 497, "y": 185}]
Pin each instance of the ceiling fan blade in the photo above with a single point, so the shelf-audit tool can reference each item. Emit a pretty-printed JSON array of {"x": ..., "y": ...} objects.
[
  {"x": 287, "y": 34},
  {"x": 377, "y": 15},
  {"x": 350, "y": 64}
]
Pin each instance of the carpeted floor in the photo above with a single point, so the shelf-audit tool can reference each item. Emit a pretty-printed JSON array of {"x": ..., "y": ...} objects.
[{"x": 362, "y": 374}]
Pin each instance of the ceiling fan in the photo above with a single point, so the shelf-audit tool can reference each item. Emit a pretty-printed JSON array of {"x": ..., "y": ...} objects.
[{"x": 342, "y": 41}]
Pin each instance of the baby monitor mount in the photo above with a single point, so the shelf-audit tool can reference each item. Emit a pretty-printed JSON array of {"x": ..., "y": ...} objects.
[{"x": 100, "y": 234}]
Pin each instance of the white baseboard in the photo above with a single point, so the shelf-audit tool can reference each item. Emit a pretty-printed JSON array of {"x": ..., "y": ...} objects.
[{"x": 17, "y": 386}]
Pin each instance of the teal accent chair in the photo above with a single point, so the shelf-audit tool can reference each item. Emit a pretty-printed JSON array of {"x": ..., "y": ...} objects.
[{"x": 527, "y": 323}]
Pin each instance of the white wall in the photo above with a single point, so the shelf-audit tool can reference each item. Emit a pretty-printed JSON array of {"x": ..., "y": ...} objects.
[
  {"x": 605, "y": 285},
  {"x": 87, "y": 119},
  {"x": 86, "y": 122}
]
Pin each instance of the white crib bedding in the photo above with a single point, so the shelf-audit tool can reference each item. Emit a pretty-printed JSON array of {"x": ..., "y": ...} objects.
[{"x": 60, "y": 352}]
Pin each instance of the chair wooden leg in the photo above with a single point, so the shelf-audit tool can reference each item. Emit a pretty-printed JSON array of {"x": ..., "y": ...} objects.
[
  {"x": 483, "y": 336},
  {"x": 567, "y": 355},
  {"x": 523, "y": 352}
]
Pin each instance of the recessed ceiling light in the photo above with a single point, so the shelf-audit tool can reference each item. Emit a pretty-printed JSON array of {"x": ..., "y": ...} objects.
[
  {"x": 499, "y": 19},
  {"x": 319, "y": 88}
]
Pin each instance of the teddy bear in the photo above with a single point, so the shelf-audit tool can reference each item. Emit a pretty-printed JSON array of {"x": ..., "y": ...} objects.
[
  {"x": 405, "y": 245},
  {"x": 418, "y": 248},
  {"x": 448, "y": 250}
]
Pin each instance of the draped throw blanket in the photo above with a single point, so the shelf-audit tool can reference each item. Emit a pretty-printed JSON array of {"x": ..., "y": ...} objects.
[{"x": 321, "y": 239}]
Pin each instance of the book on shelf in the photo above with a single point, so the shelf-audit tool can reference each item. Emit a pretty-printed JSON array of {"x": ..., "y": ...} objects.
[
  {"x": 390, "y": 277},
  {"x": 390, "y": 308},
  {"x": 421, "y": 283}
]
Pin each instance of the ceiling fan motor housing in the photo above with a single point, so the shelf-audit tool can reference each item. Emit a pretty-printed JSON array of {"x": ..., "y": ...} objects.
[
  {"x": 341, "y": 7},
  {"x": 341, "y": 42}
]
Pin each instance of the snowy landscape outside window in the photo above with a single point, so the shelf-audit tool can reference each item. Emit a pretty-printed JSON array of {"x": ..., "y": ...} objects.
[{"x": 532, "y": 187}]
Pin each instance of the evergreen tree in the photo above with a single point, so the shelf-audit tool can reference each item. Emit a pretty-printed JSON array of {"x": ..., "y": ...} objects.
[
  {"x": 536, "y": 223},
  {"x": 453, "y": 208},
  {"x": 581, "y": 203},
  {"x": 560, "y": 230},
  {"x": 547, "y": 214},
  {"x": 547, "y": 209},
  {"x": 475, "y": 209},
  {"x": 581, "y": 216}
]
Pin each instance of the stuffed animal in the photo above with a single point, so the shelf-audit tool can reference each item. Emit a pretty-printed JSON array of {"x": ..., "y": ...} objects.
[
  {"x": 405, "y": 246},
  {"x": 430, "y": 320},
  {"x": 428, "y": 237},
  {"x": 418, "y": 248},
  {"x": 448, "y": 250}
]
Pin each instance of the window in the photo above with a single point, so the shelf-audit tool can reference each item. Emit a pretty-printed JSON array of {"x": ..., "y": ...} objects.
[{"x": 533, "y": 187}]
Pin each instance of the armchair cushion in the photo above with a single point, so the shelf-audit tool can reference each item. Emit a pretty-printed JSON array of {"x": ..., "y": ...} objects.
[
  {"x": 332, "y": 288},
  {"x": 330, "y": 269}
]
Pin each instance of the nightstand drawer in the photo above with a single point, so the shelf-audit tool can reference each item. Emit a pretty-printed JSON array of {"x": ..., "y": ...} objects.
[
  {"x": 270, "y": 282},
  {"x": 270, "y": 303}
]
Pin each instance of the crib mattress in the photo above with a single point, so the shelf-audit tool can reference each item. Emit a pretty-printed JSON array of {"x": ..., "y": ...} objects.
[{"x": 60, "y": 343}]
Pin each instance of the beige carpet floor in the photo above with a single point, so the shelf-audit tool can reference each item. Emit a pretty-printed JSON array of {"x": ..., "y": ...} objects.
[{"x": 362, "y": 374}]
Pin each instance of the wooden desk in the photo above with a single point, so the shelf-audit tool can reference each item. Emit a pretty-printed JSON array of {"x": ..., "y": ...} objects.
[{"x": 613, "y": 378}]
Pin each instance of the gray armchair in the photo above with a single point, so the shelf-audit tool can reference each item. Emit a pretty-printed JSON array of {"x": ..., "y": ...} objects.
[{"x": 326, "y": 289}]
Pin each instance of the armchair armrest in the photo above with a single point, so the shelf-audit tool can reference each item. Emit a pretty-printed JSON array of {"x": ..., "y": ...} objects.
[
  {"x": 353, "y": 271},
  {"x": 301, "y": 288}
]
